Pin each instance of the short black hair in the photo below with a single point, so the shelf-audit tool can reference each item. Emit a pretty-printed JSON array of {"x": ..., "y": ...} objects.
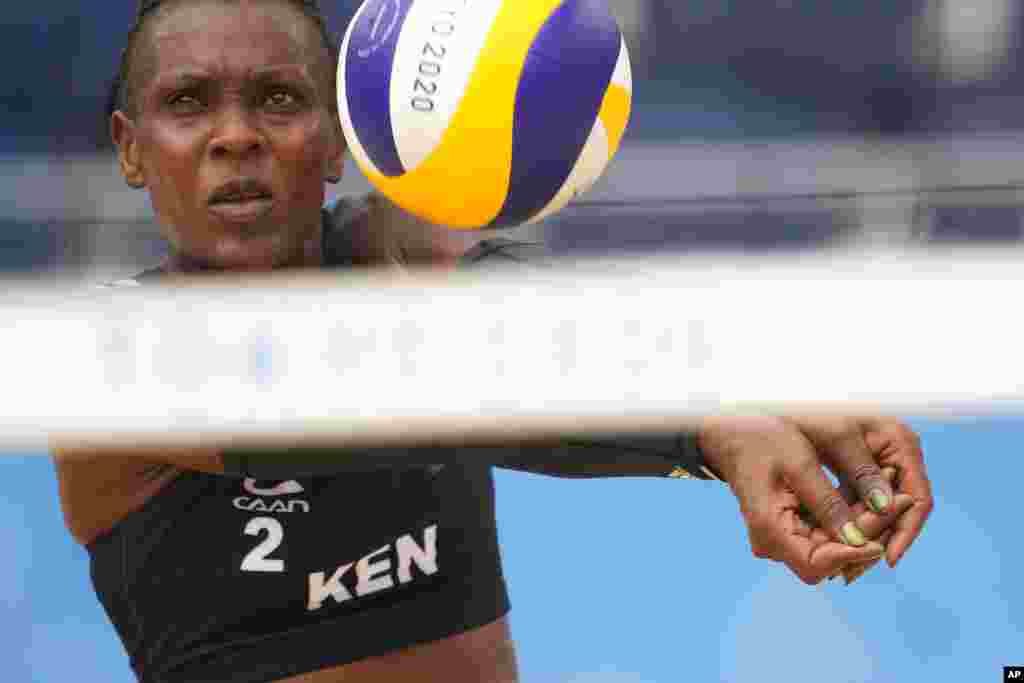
[{"x": 119, "y": 95}]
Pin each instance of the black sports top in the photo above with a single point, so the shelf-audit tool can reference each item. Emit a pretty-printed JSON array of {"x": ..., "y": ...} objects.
[{"x": 251, "y": 580}]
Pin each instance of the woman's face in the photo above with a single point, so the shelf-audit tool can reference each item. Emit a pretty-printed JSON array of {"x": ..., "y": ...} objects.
[{"x": 233, "y": 131}]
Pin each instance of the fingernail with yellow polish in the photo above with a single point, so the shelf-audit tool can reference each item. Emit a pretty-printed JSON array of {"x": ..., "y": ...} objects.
[
  {"x": 852, "y": 535},
  {"x": 878, "y": 501}
]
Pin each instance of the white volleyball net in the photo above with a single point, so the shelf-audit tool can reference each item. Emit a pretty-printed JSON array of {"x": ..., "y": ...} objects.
[{"x": 630, "y": 345}]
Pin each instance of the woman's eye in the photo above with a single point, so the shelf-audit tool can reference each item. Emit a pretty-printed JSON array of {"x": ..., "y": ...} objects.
[
  {"x": 185, "y": 103},
  {"x": 282, "y": 100}
]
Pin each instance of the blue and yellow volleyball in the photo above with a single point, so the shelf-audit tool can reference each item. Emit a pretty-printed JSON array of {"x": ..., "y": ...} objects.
[{"x": 483, "y": 113}]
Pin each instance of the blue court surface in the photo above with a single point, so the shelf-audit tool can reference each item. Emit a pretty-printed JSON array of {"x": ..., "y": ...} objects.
[{"x": 640, "y": 581}]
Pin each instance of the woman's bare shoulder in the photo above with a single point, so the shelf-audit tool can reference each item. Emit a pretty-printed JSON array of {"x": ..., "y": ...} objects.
[
  {"x": 100, "y": 488},
  {"x": 382, "y": 234}
]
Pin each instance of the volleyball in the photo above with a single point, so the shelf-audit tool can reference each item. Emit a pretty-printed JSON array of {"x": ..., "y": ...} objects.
[{"x": 483, "y": 113}]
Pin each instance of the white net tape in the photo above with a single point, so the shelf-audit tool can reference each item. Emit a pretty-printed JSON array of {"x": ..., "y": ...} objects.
[{"x": 602, "y": 347}]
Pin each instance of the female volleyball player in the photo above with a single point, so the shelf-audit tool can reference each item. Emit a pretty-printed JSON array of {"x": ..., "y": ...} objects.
[{"x": 227, "y": 566}]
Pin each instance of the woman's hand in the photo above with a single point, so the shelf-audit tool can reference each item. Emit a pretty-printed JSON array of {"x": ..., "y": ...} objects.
[
  {"x": 890, "y": 444},
  {"x": 866, "y": 521},
  {"x": 774, "y": 467}
]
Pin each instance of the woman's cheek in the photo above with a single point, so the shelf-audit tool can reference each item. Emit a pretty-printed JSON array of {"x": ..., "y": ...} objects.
[
  {"x": 308, "y": 159},
  {"x": 176, "y": 158}
]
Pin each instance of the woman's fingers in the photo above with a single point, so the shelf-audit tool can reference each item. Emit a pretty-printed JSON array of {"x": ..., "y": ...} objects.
[
  {"x": 899, "y": 447},
  {"x": 845, "y": 443},
  {"x": 842, "y": 445},
  {"x": 825, "y": 503},
  {"x": 813, "y": 562},
  {"x": 874, "y": 524},
  {"x": 775, "y": 469},
  {"x": 879, "y": 527},
  {"x": 854, "y": 572}
]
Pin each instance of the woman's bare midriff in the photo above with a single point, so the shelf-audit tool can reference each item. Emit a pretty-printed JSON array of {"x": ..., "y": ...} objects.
[
  {"x": 483, "y": 655},
  {"x": 98, "y": 492}
]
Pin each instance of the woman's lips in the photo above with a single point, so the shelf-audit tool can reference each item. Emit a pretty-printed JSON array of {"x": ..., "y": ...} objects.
[{"x": 241, "y": 210}]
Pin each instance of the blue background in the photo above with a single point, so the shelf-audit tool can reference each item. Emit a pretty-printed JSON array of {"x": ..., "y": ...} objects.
[{"x": 629, "y": 581}]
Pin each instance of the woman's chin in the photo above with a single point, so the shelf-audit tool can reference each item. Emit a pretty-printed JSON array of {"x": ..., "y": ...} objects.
[
  {"x": 260, "y": 246},
  {"x": 244, "y": 254},
  {"x": 253, "y": 254}
]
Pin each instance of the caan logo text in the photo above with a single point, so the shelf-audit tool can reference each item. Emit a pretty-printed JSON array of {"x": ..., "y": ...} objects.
[
  {"x": 250, "y": 504},
  {"x": 283, "y": 488}
]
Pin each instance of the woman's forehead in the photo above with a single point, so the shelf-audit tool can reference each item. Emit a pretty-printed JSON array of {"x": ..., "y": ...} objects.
[{"x": 232, "y": 37}]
